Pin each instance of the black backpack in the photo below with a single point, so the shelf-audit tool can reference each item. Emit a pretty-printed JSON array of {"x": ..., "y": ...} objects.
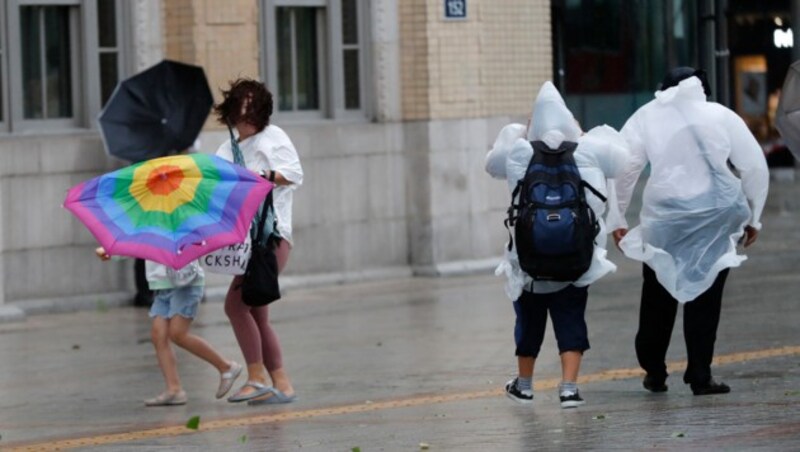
[{"x": 554, "y": 226}]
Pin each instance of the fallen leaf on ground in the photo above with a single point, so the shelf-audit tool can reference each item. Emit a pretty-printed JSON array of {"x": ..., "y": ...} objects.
[
  {"x": 355, "y": 449},
  {"x": 678, "y": 435},
  {"x": 243, "y": 439},
  {"x": 193, "y": 423},
  {"x": 424, "y": 446},
  {"x": 599, "y": 416}
]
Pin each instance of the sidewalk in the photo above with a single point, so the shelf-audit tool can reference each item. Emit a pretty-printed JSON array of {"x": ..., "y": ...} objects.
[{"x": 391, "y": 364}]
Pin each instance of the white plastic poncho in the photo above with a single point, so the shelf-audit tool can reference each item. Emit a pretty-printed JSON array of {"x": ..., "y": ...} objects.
[
  {"x": 694, "y": 208},
  {"x": 601, "y": 154}
]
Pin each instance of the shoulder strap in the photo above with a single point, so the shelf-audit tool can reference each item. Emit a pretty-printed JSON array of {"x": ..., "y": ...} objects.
[
  {"x": 262, "y": 220},
  {"x": 238, "y": 158}
]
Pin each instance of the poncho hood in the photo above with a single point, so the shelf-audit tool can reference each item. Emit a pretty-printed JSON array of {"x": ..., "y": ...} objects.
[
  {"x": 690, "y": 89},
  {"x": 551, "y": 120}
]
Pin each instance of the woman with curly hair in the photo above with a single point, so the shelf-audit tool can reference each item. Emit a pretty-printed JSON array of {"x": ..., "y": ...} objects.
[{"x": 266, "y": 149}]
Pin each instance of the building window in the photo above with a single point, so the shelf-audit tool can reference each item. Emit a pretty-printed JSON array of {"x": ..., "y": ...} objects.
[
  {"x": 108, "y": 46},
  {"x": 313, "y": 58},
  {"x": 46, "y": 71},
  {"x": 59, "y": 64},
  {"x": 298, "y": 58},
  {"x": 3, "y": 76},
  {"x": 351, "y": 55}
]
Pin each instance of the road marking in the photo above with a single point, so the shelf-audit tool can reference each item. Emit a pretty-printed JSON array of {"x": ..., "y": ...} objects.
[{"x": 218, "y": 424}]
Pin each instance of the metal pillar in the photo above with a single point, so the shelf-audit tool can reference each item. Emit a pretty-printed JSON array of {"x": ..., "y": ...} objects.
[
  {"x": 796, "y": 29},
  {"x": 706, "y": 42},
  {"x": 722, "y": 54}
]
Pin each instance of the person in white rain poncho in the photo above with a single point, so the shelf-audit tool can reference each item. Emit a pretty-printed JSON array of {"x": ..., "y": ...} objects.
[
  {"x": 600, "y": 154},
  {"x": 694, "y": 210}
]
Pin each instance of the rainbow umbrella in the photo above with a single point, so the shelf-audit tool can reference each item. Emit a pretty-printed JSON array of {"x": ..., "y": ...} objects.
[{"x": 170, "y": 210}]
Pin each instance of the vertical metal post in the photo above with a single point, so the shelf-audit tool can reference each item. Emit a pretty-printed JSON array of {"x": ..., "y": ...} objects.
[
  {"x": 706, "y": 41},
  {"x": 557, "y": 36},
  {"x": 796, "y": 30},
  {"x": 722, "y": 54}
]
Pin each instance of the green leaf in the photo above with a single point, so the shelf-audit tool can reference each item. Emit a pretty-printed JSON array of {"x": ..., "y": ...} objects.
[
  {"x": 791, "y": 393},
  {"x": 194, "y": 423},
  {"x": 243, "y": 439},
  {"x": 355, "y": 449},
  {"x": 678, "y": 435},
  {"x": 599, "y": 416}
]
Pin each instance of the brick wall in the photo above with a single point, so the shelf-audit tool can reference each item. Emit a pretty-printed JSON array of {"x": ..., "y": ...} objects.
[
  {"x": 221, "y": 36},
  {"x": 490, "y": 64}
]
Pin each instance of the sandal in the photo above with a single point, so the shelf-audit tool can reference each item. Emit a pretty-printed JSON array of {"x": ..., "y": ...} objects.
[
  {"x": 260, "y": 389},
  {"x": 226, "y": 379},
  {"x": 167, "y": 399},
  {"x": 276, "y": 396}
]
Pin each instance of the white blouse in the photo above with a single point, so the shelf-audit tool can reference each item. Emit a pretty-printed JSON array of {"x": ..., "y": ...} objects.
[{"x": 271, "y": 149}]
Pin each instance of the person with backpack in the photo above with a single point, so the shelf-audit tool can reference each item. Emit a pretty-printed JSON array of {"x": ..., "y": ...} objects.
[
  {"x": 558, "y": 178},
  {"x": 694, "y": 211}
]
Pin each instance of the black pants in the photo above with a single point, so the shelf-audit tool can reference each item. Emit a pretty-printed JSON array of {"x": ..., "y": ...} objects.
[
  {"x": 657, "y": 318},
  {"x": 566, "y": 308},
  {"x": 144, "y": 296}
]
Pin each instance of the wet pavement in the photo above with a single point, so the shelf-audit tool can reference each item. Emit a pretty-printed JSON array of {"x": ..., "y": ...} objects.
[{"x": 415, "y": 364}]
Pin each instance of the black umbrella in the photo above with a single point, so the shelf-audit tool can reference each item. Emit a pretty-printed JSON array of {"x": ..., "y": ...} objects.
[{"x": 156, "y": 112}]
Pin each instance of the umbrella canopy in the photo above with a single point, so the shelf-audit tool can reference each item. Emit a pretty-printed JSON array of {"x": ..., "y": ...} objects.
[
  {"x": 156, "y": 112},
  {"x": 787, "y": 118},
  {"x": 170, "y": 210}
]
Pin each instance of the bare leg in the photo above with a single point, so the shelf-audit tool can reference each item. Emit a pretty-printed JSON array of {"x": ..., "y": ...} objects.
[
  {"x": 179, "y": 334},
  {"x": 525, "y": 365},
  {"x": 281, "y": 381},
  {"x": 166, "y": 357},
  {"x": 570, "y": 365},
  {"x": 271, "y": 348},
  {"x": 255, "y": 372}
]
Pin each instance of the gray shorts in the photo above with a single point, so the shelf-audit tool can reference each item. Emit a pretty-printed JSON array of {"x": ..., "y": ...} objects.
[{"x": 181, "y": 301}]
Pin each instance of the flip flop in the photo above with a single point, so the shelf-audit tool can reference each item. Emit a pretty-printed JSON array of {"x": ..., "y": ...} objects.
[
  {"x": 260, "y": 390},
  {"x": 277, "y": 397}
]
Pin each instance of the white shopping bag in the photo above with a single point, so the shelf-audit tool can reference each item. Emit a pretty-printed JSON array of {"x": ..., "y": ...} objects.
[{"x": 230, "y": 260}]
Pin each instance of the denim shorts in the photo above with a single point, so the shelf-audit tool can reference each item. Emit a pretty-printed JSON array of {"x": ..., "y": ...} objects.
[{"x": 181, "y": 301}]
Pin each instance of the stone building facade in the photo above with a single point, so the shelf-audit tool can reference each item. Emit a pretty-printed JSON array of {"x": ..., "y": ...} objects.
[{"x": 392, "y": 135}]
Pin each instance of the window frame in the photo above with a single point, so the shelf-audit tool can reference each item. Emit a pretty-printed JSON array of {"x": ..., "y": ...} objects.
[
  {"x": 84, "y": 69},
  {"x": 4, "y": 91},
  {"x": 18, "y": 120},
  {"x": 330, "y": 60}
]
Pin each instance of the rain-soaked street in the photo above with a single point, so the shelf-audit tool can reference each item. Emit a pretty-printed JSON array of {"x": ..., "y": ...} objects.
[{"x": 410, "y": 364}]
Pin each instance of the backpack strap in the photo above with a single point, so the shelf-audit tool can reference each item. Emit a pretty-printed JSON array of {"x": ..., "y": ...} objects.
[
  {"x": 593, "y": 190},
  {"x": 512, "y": 217}
]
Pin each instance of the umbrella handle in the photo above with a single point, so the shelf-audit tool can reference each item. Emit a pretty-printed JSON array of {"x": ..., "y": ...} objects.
[{"x": 181, "y": 248}]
